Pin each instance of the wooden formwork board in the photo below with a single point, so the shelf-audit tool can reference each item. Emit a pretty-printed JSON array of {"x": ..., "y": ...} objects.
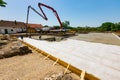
[{"x": 61, "y": 62}]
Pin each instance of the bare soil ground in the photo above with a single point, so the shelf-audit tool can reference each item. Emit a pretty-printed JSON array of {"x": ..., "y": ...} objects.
[
  {"x": 32, "y": 67},
  {"x": 106, "y": 38}
]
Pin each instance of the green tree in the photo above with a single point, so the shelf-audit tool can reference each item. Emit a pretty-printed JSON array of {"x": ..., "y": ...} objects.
[
  {"x": 56, "y": 27},
  {"x": 65, "y": 24},
  {"x": 46, "y": 26},
  {"x": 117, "y": 26},
  {"x": 107, "y": 26},
  {"x": 2, "y": 3}
]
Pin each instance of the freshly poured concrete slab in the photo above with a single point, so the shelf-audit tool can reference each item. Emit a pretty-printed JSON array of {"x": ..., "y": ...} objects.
[{"x": 101, "y": 60}]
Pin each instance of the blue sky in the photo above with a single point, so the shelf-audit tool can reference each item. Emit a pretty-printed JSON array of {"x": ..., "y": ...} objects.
[{"x": 78, "y": 12}]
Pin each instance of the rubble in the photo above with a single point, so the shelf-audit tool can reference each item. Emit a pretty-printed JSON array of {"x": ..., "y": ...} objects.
[
  {"x": 4, "y": 37},
  {"x": 59, "y": 76}
]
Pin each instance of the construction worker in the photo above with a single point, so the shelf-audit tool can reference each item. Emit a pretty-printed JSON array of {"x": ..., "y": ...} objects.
[{"x": 21, "y": 37}]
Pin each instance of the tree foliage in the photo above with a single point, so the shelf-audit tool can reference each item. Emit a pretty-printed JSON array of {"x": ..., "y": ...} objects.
[
  {"x": 46, "y": 26},
  {"x": 65, "y": 24},
  {"x": 56, "y": 27},
  {"x": 105, "y": 27},
  {"x": 2, "y": 3},
  {"x": 109, "y": 26}
]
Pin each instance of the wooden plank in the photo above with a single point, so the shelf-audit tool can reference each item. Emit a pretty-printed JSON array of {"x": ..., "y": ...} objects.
[
  {"x": 55, "y": 61},
  {"x": 82, "y": 75}
]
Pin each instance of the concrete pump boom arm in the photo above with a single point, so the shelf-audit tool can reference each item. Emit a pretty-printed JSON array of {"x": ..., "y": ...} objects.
[{"x": 43, "y": 14}]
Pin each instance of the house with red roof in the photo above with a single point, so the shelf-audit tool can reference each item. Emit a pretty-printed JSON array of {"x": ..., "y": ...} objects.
[
  {"x": 33, "y": 28},
  {"x": 11, "y": 27}
]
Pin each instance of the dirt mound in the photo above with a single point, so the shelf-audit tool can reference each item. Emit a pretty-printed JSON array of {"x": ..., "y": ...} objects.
[
  {"x": 4, "y": 37},
  {"x": 19, "y": 51},
  {"x": 12, "y": 49}
]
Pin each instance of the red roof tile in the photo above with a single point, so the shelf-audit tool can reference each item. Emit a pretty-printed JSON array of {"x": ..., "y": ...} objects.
[
  {"x": 4, "y": 23},
  {"x": 35, "y": 25}
]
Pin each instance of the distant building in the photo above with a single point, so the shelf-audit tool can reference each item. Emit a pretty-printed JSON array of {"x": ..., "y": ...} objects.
[
  {"x": 33, "y": 28},
  {"x": 11, "y": 27}
]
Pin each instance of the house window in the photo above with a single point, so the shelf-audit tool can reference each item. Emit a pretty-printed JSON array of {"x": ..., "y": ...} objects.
[{"x": 11, "y": 29}]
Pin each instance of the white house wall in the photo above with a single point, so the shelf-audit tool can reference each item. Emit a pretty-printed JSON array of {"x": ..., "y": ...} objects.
[
  {"x": 9, "y": 29},
  {"x": 23, "y": 29},
  {"x": 0, "y": 30},
  {"x": 18, "y": 29}
]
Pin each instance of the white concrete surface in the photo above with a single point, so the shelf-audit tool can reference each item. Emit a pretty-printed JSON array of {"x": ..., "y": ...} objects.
[{"x": 101, "y": 60}]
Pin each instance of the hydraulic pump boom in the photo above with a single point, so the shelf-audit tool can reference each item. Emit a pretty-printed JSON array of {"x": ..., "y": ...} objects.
[{"x": 43, "y": 15}]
